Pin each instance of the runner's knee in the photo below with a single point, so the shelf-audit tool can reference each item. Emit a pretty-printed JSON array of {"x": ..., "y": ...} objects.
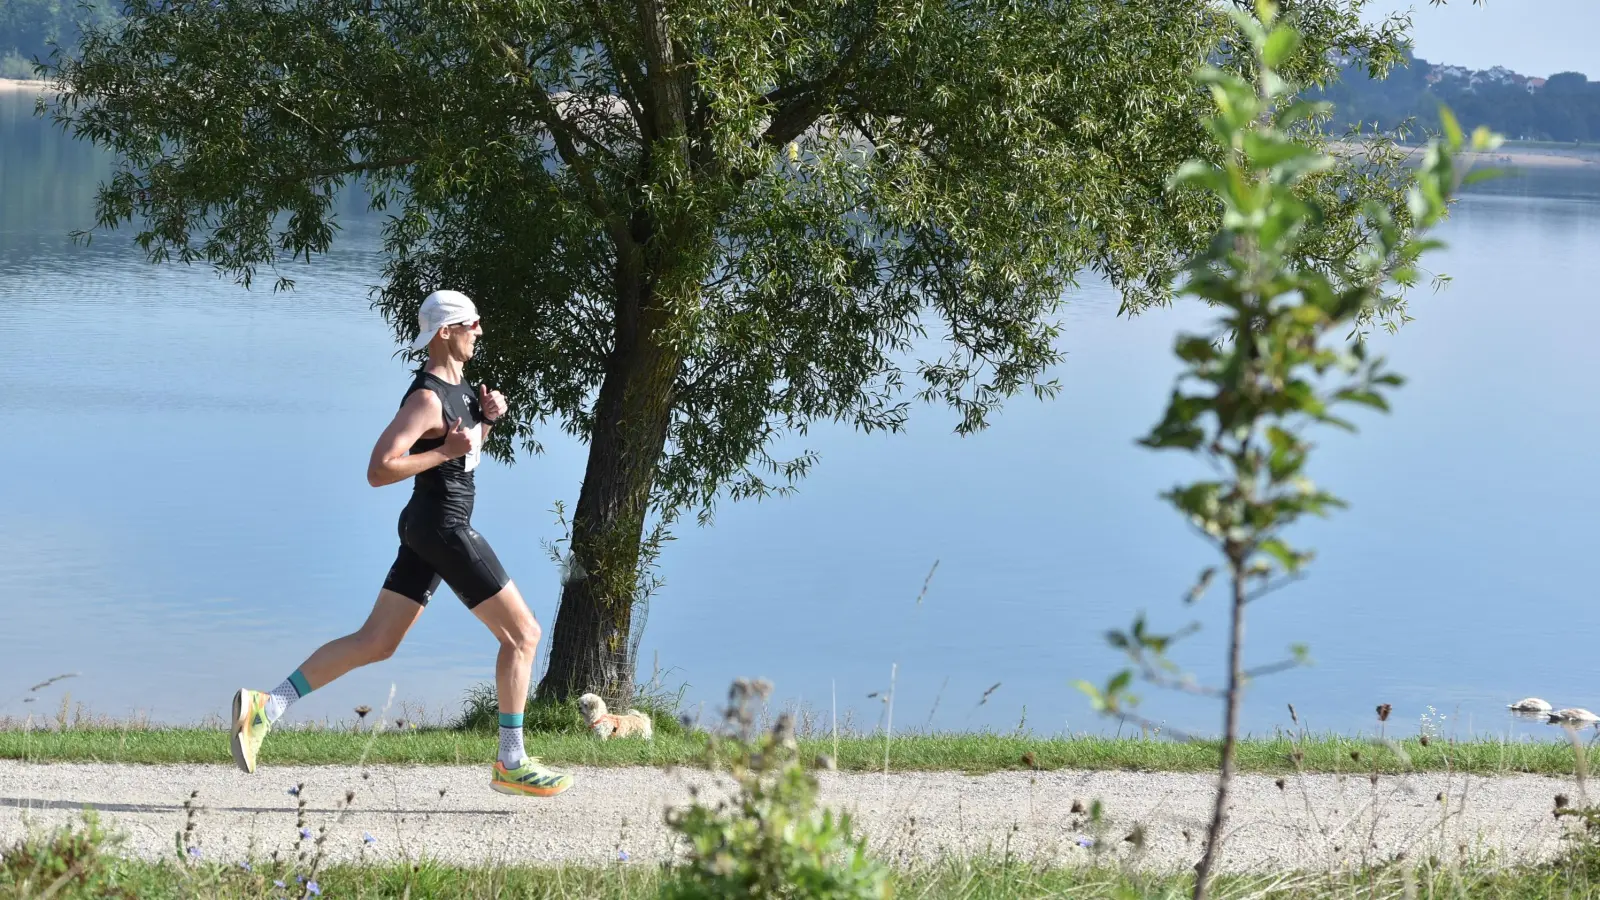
[
  {"x": 522, "y": 637},
  {"x": 377, "y": 647}
]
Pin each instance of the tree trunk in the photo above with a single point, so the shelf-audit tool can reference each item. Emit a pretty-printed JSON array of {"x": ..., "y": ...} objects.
[
  {"x": 589, "y": 648},
  {"x": 1230, "y": 736}
]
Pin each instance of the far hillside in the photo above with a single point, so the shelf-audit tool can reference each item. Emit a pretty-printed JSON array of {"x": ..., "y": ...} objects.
[
  {"x": 27, "y": 28},
  {"x": 1563, "y": 108}
]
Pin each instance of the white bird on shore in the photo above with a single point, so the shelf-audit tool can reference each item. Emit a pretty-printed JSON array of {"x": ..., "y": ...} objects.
[
  {"x": 1573, "y": 714},
  {"x": 1530, "y": 704}
]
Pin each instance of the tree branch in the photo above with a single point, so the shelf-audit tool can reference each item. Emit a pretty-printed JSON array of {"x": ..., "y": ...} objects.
[
  {"x": 564, "y": 133},
  {"x": 629, "y": 72},
  {"x": 1270, "y": 587},
  {"x": 353, "y": 168},
  {"x": 799, "y": 105}
]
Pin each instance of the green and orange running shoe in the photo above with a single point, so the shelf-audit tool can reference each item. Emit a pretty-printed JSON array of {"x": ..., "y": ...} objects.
[
  {"x": 532, "y": 778},
  {"x": 250, "y": 727}
]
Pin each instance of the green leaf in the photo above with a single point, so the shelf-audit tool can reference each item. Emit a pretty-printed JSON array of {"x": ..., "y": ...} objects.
[
  {"x": 1298, "y": 167},
  {"x": 1485, "y": 174},
  {"x": 1365, "y": 398},
  {"x": 1096, "y": 699},
  {"x": 1484, "y": 140},
  {"x": 1286, "y": 558},
  {"x": 1196, "y": 349},
  {"x": 1267, "y": 150},
  {"x": 1119, "y": 682},
  {"x": 1198, "y": 173},
  {"x": 1281, "y": 45},
  {"x": 1301, "y": 110},
  {"x": 1452, "y": 128}
]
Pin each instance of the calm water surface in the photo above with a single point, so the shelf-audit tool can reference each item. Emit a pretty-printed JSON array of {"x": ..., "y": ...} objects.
[{"x": 183, "y": 509}]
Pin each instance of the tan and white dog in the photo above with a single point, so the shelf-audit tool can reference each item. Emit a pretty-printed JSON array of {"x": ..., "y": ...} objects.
[{"x": 606, "y": 725}]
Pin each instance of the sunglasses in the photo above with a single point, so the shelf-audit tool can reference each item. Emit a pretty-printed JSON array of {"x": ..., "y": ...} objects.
[{"x": 470, "y": 326}]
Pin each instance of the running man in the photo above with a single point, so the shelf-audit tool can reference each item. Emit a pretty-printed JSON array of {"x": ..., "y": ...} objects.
[{"x": 435, "y": 439}]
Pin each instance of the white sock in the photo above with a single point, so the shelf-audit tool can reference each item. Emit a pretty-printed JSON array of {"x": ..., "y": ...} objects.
[
  {"x": 511, "y": 752},
  {"x": 279, "y": 700}
]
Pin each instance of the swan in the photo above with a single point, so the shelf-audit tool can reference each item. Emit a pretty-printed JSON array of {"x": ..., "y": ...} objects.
[
  {"x": 1573, "y": 714},
  {"x": 1530, "y": 704}
]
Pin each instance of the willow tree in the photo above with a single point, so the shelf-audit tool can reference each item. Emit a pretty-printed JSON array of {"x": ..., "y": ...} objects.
[{"x": 694, "y": 225}]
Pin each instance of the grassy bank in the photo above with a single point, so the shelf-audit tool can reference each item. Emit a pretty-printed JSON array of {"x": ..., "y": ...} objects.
[
  {"x": 972, "y": 753},
  {"x": 76, "y": 867}
]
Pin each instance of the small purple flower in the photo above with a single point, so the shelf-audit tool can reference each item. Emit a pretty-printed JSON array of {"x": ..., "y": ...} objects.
[
  {"x": 279, "y": 884},
  {"x": 294, "y": 792},
  {"x": 622, "y": 856},
  {"x": 299, "y": 879},
  {"x": 313, "y": 889},
  {"x": 194, "y": 852},
  {"x": 245, "y": 866},
  {"x": 1085, "y": 842},
  {"x": 305, "y": 833},
  {"x": 368, "y": 839}
]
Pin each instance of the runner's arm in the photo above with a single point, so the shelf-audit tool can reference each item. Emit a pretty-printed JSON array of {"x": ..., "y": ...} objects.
[{"x": 391, "y": 462}]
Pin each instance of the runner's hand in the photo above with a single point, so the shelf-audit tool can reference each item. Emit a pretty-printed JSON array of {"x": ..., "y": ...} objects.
[
  {"x": 493, "y": 403},
  {"x": 456, "y": 441}
]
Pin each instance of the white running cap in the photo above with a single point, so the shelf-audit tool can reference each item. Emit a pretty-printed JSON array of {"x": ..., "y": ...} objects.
[{"x": 439, "y": 309}]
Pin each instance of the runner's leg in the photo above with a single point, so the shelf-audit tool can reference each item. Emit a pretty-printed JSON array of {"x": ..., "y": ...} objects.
[
  {"x": 512, "y": 623},
  {"x": 468, "y": 564},
  {"x": 411, "y": 581},
  {"x": 376, "y": 640}
]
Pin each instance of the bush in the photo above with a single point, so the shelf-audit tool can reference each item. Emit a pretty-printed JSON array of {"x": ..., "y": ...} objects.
[
  {"x": 65, "y": 863},
  {"x": 769, "y": 840}
]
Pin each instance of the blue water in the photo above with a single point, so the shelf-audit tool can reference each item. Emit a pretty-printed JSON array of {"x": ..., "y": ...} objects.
[{"x": 183, "y": 509}]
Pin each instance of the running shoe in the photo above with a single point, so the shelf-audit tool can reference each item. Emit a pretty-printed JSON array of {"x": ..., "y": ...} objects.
[
  {"x": 250, "y": 727},
  {"x": 531, "y": 778}
]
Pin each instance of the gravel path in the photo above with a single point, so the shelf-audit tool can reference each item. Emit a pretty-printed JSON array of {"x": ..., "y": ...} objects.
[{"x": 448, "y": 813}]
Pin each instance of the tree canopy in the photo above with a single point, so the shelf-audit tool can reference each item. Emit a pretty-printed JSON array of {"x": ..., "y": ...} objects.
[{"x": 695, "y": 227}]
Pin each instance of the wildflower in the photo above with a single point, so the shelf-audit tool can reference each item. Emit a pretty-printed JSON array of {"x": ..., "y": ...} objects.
[
  {"x": 368, "y": 839},
  {"x": 622, "y": 856},
  {"x": 1085, "y": 842},
  {"x": 305, "y": 833},
  {"x": 245, "y": 866},
  {"x": 279, "y": 884},
  {"x": 294, "y": 791},
  {"x": 313, "y": 889},
  {"x": 194, "y": 852},
  {"x": 299, "y": 879},
  {"x": 362, "y": 710}
]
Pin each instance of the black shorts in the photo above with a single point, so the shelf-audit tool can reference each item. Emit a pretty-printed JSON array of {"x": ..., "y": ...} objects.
[{"x": 456, "y": 553}]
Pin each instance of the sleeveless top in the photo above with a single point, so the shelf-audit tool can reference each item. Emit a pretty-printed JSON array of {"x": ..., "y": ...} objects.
[{"x": 446, "y": 491}]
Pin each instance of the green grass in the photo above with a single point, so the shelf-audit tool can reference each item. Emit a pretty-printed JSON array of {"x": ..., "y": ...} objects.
[
  {"x": 81, "y": 863},
  {"x": 971, "y": 752}
]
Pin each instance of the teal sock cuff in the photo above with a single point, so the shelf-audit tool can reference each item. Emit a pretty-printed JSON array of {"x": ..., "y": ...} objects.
[
  {"x": 299, "y": 682},
  {"x": 511, "y": 720}
]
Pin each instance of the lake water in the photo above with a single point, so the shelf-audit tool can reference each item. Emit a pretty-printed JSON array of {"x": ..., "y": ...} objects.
[{"x": 183, "y": 509}]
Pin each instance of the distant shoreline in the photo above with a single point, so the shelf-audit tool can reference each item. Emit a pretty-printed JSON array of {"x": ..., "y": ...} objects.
[
  {"x": 1531, "y": 159},
  {"x": 24, "y": 85},
  {"x": 1508, "y": 155},
  {"x": 1511, "y": 155}
]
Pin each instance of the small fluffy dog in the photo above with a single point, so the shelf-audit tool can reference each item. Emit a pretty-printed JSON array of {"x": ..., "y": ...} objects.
[{"x": 607, "y": 725}]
